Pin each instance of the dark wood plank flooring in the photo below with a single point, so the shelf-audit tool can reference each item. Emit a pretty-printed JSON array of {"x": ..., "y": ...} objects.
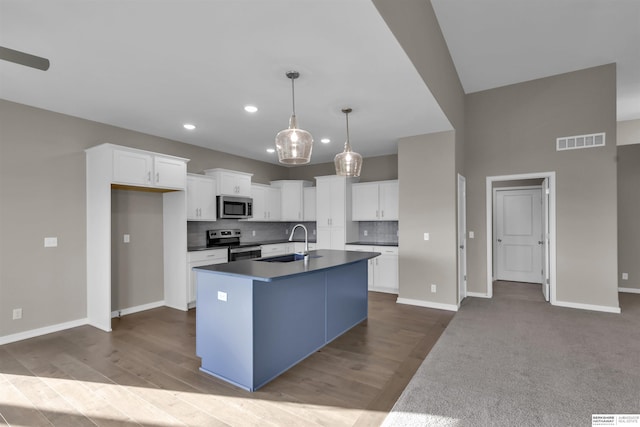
[{"x": 146, "y": 373}]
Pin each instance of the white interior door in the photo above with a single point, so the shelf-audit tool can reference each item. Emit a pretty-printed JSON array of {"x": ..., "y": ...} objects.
[
  {"x": 462, "y": 238},
  {"x": 519, "y": 235},
  {"x": 545, "y": 239}
]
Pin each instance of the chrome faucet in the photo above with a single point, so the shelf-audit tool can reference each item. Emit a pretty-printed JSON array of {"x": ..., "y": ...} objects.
[{"x": 306, "y": 239}]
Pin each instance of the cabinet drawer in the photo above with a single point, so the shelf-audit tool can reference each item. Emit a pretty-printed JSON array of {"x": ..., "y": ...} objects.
[
  {"x": 215, "y": 256},
  {"x": 386, "y": 250}
]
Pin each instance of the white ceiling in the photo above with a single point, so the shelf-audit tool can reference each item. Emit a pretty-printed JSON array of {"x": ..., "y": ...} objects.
[
  {"x": 151, "y": 66},
  {"x": 495, "y": 43}
]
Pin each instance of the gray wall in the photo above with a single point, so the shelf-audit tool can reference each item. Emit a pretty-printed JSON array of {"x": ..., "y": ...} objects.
[
  {"x": 512, "y": 130},
  {"x": 42, "y": 194},
  {"x": 629, "y": 215},
  {"x": 136, "y": 267},
  {"x": 378, "y": 168},
  {"x": 629, "y": 132},
  {"x": 427, "y": 205},
  {"x": 427, "y": 181}
]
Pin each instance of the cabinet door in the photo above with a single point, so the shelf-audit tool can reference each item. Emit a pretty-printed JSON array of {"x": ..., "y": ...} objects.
[
  {"x": 338, "y": 239},
  {"x": 169, "y": 173},
  {"x": 274, "y": 250},
  {"x": 365, "y": 202},
  {"x": 323, "y": 238},
  {"x": 389, "y": 201},
  {"x": 386, "y": 271},
  {"x": 273, "y": 196},
  {"x": 193, "y": 202},
  {"x": 309, "y": 204},
  {"x": 132, "y": 168},
  {"x": 258, "y": 194},
  {"x": 227, "y": 184},
  {"x": 323, "y": 204},
  {"x": 291, "y": 196},
  {"x": 338, "y": 198},
  {"x": 207, "y": 197},
  {"x": 243, "y": 185}
]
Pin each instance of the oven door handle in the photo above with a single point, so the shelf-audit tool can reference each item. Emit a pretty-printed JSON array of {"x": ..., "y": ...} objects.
[{"x": 246, "y": 249}]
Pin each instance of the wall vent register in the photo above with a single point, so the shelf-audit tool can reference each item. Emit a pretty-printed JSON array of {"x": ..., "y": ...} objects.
[{"x": 580, "y": 141}]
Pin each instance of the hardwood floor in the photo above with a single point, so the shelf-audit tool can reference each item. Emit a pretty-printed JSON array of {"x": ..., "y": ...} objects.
[{"x": 145, "y": 372}]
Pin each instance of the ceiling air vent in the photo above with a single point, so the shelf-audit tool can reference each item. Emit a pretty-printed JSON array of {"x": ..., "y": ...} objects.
[{"x": 580, "y": 141}]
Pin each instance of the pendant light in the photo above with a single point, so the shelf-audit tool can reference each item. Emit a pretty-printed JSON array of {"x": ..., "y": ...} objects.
[
  {"x": 294, "y": 145},
  {"x": 348, "y": 163}
]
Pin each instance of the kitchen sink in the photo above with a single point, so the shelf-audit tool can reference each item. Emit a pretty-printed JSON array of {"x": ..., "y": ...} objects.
[{"x": 286, "y": 258}]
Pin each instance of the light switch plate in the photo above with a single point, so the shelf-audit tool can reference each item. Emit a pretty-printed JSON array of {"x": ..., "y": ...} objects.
[
  {"x": 50, "y": 242},
  {"x": 426, "y": 236},
  {"x": 222, "y": 296},
  {"x": 625, "y": 276},
  {"x": 472, "y": 234},
  {"x": 126, "y": 238}
]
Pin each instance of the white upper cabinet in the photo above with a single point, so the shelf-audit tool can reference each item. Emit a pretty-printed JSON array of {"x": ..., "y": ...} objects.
[
  {"x": 145, "y": 169},
  {"x": 201, "y": 198},
  {"x": 266, "y": 203},
  {"x": 231, "y": 183},
  {"x": 292, "y": 198},
  {"x": 375, "y": 201},
  {"x": 309, "y": 211},
  {"x": 333, "y": 212}
]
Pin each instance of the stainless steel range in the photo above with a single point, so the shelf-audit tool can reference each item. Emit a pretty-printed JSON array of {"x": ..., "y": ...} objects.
[{"x": 231, "y": 239}]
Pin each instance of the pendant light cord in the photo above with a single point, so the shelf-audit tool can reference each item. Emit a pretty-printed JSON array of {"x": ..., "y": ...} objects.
[
  {"x": 293, "y": 95},
  {"x": 347, "y": 144}
]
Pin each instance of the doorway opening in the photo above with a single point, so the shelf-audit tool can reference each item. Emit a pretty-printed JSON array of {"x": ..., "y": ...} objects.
[{"x": 517, "y": 254}]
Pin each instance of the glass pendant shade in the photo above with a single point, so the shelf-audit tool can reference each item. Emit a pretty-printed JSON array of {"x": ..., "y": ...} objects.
[
  {"x": 294, "y": 145},
  {"x": 348, "y": 163}
]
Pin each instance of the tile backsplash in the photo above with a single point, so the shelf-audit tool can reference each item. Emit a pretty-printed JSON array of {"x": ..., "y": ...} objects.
[
  {"x": 264, "y": 231},
  {"x": 377, "y": 231}
]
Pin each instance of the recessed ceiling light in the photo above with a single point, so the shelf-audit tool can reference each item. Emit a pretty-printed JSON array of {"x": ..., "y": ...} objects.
[
  {"x": 189, "y": 126},
  {"x": 325, "y": 140},
  {"x": 250, "y": 108},
  {"x": 271, "y": 150}
]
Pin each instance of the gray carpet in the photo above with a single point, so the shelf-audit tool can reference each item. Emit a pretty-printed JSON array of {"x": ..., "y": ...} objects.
[{"x": 515, "y": 360}]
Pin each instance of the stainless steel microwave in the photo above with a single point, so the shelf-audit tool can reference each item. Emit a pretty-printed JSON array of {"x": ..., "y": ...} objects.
[{"x": 231, "y": 207}]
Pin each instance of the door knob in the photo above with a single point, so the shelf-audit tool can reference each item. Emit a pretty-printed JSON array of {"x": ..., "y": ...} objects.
[
  {"x": 461, "y": 246},
  {"x": 540, "y": 242},
  {"x": 499, "y": 240}
]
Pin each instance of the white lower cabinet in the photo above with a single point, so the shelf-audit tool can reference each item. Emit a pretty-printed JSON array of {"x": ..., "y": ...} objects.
[
  {"x": 276, "y": 249},
  {"x": 383, "y": 269},
  {"x": 199, "y": 259}
]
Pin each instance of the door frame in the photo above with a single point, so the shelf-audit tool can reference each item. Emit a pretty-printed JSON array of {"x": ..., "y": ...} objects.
[
  {"x": 495, "y": 217},
  {"x": 462, "y": 240},
  {"x": 550, "y": 239}
]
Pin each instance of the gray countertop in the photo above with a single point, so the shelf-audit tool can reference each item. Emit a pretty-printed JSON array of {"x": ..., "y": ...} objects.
[
  {"x": 363, "y": 243},
  {"x": 267, "y": 271}
]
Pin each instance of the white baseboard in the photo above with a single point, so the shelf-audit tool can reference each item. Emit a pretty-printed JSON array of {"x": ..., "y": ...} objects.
[
  {"x": 605, "y": 308},
  {"x": 43, "y": 331},
  {"x": 428, "y": 304},
  {"x": 477, "y": 295},
  {"x": 136, "y": 309},
  {"x": 629, "y": 290}
]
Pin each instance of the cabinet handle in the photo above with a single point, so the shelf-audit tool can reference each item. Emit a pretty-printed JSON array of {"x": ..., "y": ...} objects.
[
  {"x": 157, "y": 177},
  {"x": 382, "y": 214},
  {"x": 377, "y": 214},
  {"x": 149, "y": 176}
]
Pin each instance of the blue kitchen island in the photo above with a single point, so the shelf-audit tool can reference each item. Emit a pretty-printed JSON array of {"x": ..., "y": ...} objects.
[{"x": 257, "y": 318}]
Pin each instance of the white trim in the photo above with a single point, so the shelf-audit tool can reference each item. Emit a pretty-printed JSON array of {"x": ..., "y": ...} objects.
[
  {"x": 428, "y": 304},
  {"x": 629, "y": 290},
  {"x": 43, "y": 331},
  {"x": 137, "y": 309},
  {"x": 552, "y": 226},
  {"x": 477, "y": 295},
  {"x": 605, "y": 308}
]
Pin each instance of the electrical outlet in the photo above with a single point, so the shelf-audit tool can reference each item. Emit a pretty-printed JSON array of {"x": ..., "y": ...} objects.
[
  {"x": 625, "y": 276},
  {"x": 472, "y": 234},
  {"x": 426, "y": 236},
  {"x": 366, "y": 233},
  {"x": 434, "y": 288},
  {"x": 314, "y": 231},
  {"x": 222, "y": 296},
  {"x": 17, "y": 313},
  {"x": 126, "y": 238},
  {"x": 286, "y": 231},
  {"x": 253, "y": 233}
]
